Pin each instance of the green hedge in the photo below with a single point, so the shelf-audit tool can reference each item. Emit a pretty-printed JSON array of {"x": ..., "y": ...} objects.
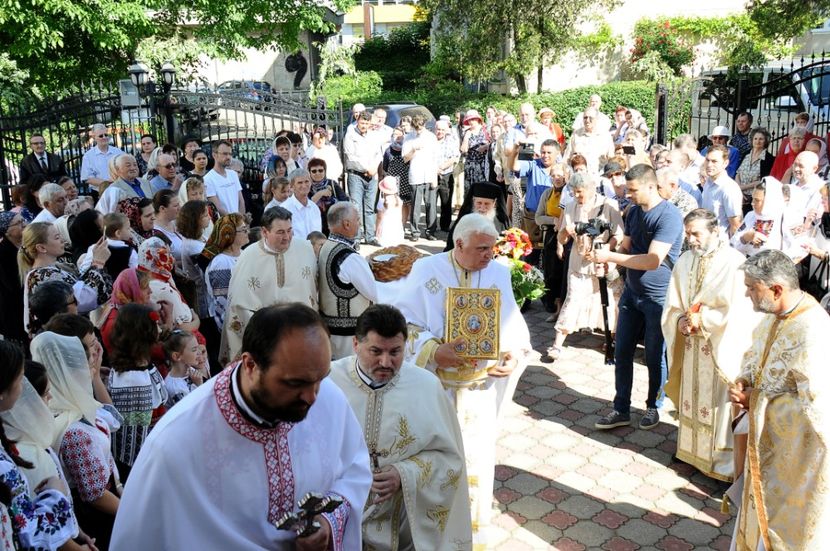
[{"x": 448, "y": 97}]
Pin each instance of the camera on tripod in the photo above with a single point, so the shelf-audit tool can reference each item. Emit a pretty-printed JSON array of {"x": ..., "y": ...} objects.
[
  {"x": 527, "y": 152},
  {"x": 592, "y": 228}
]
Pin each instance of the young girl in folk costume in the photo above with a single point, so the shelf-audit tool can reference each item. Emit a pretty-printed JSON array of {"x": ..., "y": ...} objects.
[
  {"x": 390, "y": 206},
  {"x": 185, "y": 374},
  {"x": 135, "y": 384},
  {"x": 154, "y": 256}
]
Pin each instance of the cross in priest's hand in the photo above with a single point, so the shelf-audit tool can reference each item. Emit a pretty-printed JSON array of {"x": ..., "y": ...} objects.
[
  {"x": 374, "y": 454},
  {"x": 302, "y": 522}
]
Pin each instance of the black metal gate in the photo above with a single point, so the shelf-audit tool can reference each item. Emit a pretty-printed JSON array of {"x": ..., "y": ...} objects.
[
  {"x": 249, "y": 123},
  {"x": 774, "y": 94}
]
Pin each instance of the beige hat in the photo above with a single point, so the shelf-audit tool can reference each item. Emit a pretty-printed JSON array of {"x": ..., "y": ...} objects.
[
  {"x": 472, "y": 114},
  {"x": 544, "y": 110}
]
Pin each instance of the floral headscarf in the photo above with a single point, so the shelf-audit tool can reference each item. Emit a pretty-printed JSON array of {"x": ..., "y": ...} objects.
[
  {"x": 223, "y": 235},
  {"x": 129, "y": 207},
  {"x": 6, "y": 218},
  {"x": 127, "y": 289},
  {"x": 154, "y": 256}
]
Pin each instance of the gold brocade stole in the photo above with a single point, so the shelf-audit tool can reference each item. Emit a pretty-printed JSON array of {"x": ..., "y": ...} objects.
[
  {"x": 752, "y": 452},
  {"x": 279, "y": 262},
  {"x": 700, "y": 267}
]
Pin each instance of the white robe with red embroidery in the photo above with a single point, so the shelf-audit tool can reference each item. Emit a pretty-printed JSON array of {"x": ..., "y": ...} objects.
[{"x": 207, "y": 478}]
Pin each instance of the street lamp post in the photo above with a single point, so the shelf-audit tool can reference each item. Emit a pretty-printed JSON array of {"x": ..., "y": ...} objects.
[{"x": 140, "y": 77}]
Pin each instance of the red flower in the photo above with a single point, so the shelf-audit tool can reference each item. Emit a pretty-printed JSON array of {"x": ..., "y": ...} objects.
[{"x": 526, "y": 267}]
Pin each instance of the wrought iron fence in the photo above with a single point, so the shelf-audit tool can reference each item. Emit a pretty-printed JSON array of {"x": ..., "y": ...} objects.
[
  {"x": 773, "y": 94},
  {"x": 247, "y": 121}
]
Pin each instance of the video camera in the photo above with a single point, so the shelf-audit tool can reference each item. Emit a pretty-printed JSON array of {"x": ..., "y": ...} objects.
[
  {"x": 527, "y": 152},
  {"x": 592, "y": 228}
]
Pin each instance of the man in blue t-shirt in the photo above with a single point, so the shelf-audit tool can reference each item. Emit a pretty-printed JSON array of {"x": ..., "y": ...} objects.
[{"x": 653, "y": 236}]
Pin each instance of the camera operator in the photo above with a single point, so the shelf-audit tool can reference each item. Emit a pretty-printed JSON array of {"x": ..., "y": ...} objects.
[
  {"x": 653, "y": 236},
  {"x": 591, "y": 218},
  {"x": 539, "y": 178}
]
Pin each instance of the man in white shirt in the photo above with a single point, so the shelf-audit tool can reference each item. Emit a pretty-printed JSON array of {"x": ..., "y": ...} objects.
[
  {"x": 421, "y": 152},
  {"x": 53, "y": 199},
  {"x": 602, "y": 122},
  {"x": 527, "y": 130},
  {"x": 95, "y": 162},
  {"x": 807, "y": 180},
  {"x": 721, "y": 194},
  {"x": 305, "y": 214},
  {"x": 591, "y": 142},
  {"x": 362, "y": 154},
  {"x": 222, "y": 186}
]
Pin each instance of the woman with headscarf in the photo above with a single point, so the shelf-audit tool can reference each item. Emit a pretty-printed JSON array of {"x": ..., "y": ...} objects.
[
  {"x": 783, "y": 161},
  {"x": 765, "y": 226},
  {"x": 11, "y": 288},
  {"x": 41, "y": 516},
  {"x": 83, "y": 428},
  {"x": 819, "y": 147},
  {"x": 324, "y": 191},
  {"x": 142, "y": 216},
  {"x": 131, "y": 286},
  {"x": 155, "y": 258}
]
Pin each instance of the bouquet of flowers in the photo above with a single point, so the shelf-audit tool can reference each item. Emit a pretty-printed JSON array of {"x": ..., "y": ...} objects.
[{"x": 527, "y": 281}]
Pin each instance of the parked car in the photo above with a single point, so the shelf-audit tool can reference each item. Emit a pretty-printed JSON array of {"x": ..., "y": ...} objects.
[
  {"x": 394, "y": 112},
  {"x": 773, "y": 94},
  {"x": 256, "y": 91}
]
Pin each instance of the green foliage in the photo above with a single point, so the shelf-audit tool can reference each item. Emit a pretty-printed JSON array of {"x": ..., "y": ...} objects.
[
  {"x": 398, "y": 57},
  {"x": 63, "y": 42},
  {"x": 661, "y": 38},
  {"x": 513, "y": 36},
  {"x": 652, "y": 67},
  {"x": 786, "y": 19},
  {"x": 601, "y": 40},
  {"x": 184, "y": 53},
  {"x": 361, "y": 86},
  {"x": 11, "y": 81}
]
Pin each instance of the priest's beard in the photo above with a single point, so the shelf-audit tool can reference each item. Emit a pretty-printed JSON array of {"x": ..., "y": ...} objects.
[
  {"x": 291, "y": 413},
  {"x": 765, "y": 306},
  {"x": 707, "y": 248},
  {"x": 489, "y": 215}
]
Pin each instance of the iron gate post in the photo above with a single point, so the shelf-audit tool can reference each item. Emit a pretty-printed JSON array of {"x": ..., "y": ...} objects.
[{"x": 661, "y": 120}]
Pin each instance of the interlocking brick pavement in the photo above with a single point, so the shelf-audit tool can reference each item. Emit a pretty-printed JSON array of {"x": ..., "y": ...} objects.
[{"x": 561, "y": 484}]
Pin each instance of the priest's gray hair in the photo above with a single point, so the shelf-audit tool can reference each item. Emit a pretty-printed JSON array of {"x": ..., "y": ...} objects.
[
  {"x": 339, "y": 212},
  {"x": 772, "y": 267},
  {"x": 471, "y": 224},
  {"x": 274, "y": 213},
  {"x": 298, "y": 173}
]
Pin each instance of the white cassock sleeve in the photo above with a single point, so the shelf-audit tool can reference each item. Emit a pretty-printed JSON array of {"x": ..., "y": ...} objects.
[
  {"x": 109, "y": 200},
  {"x": 355, "y": 270}
]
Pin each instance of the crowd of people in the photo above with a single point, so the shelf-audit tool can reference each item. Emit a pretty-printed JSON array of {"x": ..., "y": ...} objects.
[{"x": 161, "y": 351}]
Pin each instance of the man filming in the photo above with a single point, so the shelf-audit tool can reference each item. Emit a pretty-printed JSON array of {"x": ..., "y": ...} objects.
[
  {"x": 653, "y": 236},
  {"x": 590, "y": 219}
]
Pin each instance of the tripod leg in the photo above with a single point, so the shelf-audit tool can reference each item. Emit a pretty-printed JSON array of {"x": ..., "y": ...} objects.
[{"x": 609, "y": 343}]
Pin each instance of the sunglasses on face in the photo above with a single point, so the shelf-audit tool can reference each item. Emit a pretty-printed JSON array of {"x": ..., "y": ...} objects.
[
  {"x": 170, "y": 165},
  {"x": 103, "y": 136},
  {"x": 317, "y": 170}
]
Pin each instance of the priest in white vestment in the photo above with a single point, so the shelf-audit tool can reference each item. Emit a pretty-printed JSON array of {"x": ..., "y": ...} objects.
[
  {"x": 479, "y": 389},
  {"x": 419, "y": 499},
  {"x": 274, "y": 270},
  {"x": 235, "y": 455},
  {"x": 707, "y": 323},
  {"x": 783, "y": 388}
]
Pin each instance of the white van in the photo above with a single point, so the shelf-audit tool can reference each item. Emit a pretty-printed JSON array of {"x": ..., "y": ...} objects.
[{"x": 773, "y": 94}]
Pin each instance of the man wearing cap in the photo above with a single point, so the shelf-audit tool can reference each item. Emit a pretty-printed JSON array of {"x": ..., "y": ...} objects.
[
  {"x": 486, "y": 199},
  {"x": 362, "y": 155},
  {"x": 613, "y": 185},
  {"x": 720, "y": 135}
]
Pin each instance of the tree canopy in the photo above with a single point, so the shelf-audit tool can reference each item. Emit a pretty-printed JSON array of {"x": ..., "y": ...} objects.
[
  {"x": 63, "y": 42},
  {"x": 785, "y": 19}
]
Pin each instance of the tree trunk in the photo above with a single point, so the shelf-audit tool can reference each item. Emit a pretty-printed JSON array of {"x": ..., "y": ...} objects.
[
  {"x": 520, "y": 83},
  {"x": 540, "y": 76}
]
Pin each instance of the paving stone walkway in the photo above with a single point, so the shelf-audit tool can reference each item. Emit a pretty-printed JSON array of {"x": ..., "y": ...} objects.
[{"x": 561, "y": 484}]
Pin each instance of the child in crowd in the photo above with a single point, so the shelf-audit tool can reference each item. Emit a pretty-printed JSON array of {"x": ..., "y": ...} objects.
[
  {"x": 182, "y": 351},
  {"x": 124, "y": 254},
  {"x": 317, "y": 239},
  {"x": 390, "y": 213},
  {"x": 280, "y": 191}
]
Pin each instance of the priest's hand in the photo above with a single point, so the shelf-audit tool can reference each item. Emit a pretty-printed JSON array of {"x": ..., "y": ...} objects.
[
  {"x": 319, "y": 540},
  {"x": 505, "y": 367},
  {"x": 445, "y": 355},
  {"x": 386, "y": 482},
  {"x": 739, "y": 394}
]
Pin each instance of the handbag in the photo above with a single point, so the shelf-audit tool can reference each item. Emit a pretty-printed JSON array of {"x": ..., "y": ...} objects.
[{"x": 816, "y": 284}]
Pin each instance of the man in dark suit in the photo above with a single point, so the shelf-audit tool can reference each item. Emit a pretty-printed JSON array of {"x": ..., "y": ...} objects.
[{"x": 41, "y": 162}]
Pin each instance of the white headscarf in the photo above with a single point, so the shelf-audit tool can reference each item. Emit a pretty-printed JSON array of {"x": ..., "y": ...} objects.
[
  {"x": 68, "y": 371},
  {"x": 773, "y": 199},
  {"x": 32, "y": 426}
]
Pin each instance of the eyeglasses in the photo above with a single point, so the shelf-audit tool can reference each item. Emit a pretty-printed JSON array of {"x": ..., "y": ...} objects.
[
  {"x": 242, "y": 229},
  {"x": 587, "y": 118},
  {"x": 102, "y": 136},
  {"x": 71, "y": 302},
  {"x": 317, "y": 170},
  {"x": 615, "y": 175},
  {"x": 37, "y": 143},
  {"x": 170, "y": 165},
  {"x": 20, "y": 222}
]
